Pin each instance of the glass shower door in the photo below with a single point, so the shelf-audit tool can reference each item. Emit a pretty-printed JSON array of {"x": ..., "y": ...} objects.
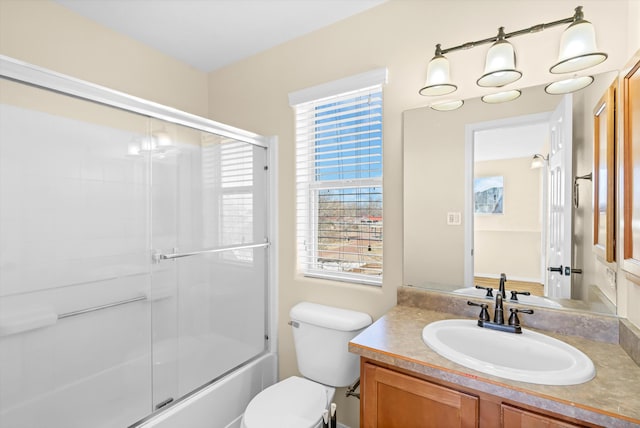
[
  {"x": 75, "y": 321},
  {"x": 133, "y": 253},
  {"x": 209, "y": 279}
]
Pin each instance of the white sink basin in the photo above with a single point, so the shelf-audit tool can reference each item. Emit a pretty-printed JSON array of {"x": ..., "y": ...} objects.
[
  {"x": 525, "y": 300},
  {"x": 528, "y": 357}
]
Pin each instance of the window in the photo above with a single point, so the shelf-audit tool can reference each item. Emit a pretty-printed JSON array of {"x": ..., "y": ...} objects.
[{"x": 339, "y": 180}]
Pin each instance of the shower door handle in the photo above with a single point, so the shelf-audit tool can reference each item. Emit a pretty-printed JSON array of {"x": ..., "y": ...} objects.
[{"x": 158, "y": 256}]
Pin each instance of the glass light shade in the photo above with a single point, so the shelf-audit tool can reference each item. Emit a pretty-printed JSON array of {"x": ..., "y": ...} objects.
[
  {"x": 134, "y": 148},
  {"x": 501, "y": 97},
  {"x": 568, "y": 85},
  {"x": 161, "y": 139},
  {"x": 147, "y": 144},
  {"x": 500, "y": 66},
  {"x": 538, "y": 161},
  {"x": 447, "y": 105},
  {"x": 438, "y": 80},
  {"x": 578, "y": 48}
]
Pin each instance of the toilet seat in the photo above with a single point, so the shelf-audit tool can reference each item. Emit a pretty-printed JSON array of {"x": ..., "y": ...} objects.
[{"x": 292, "y": 403}]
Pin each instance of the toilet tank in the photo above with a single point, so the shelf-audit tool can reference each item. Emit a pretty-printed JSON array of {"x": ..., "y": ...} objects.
[{"x": 321, "y": 335}]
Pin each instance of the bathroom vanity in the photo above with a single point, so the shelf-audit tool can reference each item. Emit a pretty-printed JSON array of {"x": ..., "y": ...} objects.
[{"x": 406, "y": 384}]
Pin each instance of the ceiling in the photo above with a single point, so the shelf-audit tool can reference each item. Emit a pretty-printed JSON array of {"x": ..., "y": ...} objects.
[
  {"x": 509, "y": 142},
  {"x": 210, "y": 34}
]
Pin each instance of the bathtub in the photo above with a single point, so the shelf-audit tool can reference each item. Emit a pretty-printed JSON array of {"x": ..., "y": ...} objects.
[{"x": 221, "y": 404}]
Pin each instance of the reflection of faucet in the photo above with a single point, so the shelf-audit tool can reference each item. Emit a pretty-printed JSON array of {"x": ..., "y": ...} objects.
[{"x": 503, "y": 279}]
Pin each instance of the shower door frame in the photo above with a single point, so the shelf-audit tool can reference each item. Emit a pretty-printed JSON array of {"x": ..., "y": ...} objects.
[{"x": 23, "y": 72}]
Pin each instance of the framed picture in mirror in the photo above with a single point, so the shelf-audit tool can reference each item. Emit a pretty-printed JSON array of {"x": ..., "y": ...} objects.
[
  {"x": 630, "y": 103},
  {"x": 604, "y": 174}
]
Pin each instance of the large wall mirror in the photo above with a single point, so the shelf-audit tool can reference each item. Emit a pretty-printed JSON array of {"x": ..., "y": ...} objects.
[{"x": 517, "y": 215}]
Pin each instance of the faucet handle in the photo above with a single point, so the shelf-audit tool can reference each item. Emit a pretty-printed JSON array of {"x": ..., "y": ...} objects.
[
  {"x": 513, "y": 318},
  {"x": 489, "y": 290},
  {"x": 484, "y": 313},
  {"x": 514, "y": 294}
]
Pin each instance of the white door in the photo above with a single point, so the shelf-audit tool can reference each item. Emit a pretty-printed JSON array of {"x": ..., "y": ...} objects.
[{"x": 558, "y": 281}]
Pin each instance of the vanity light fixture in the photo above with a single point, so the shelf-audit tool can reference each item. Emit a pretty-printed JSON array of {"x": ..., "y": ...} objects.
[
  {"x": 161, "y": 139},
  {"x": 578, "y": 46},
  {"x": 539, "y": 161},
  {"x": 447, "y": 105},
  {"x": 500, "y": 64},
  {"x": 577, "y": 52},
  {"x": 501, "y": 97},
  {"x": 158, "y": 143},
  {"x": 438, "y": 79},
  {"x": 566, "y": 86}
]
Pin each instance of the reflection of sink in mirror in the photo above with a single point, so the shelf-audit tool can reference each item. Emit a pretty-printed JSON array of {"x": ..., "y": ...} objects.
[
  {"x": 525, "y": 300},
  {"x": 528, "y": 357}
]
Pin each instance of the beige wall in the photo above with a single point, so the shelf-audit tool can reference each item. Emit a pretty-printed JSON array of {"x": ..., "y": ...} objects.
[
  {"x": 510, "y": 242},
  {"x": 46, "y": 34},
  {"x": 400, "y": 35}
]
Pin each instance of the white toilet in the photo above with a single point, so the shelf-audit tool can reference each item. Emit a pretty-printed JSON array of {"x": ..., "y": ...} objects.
[{"x": 321, "y": 336}]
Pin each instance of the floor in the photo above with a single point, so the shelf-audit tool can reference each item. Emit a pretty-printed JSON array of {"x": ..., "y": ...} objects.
[{"x": 535, "y": 288}]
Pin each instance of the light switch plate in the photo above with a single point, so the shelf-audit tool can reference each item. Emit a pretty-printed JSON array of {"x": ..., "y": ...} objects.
[{"x": 454, "y": 219}]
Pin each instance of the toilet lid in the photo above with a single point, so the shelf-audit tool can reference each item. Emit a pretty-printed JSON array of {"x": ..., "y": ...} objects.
[{"x": 293, "y": 403}]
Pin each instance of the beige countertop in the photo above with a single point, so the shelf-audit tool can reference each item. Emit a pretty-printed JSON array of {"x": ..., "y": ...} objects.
[{"x": 611, "y": 399}]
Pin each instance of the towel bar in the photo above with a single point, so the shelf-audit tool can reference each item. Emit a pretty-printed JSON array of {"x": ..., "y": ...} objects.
[{"x": 98, "y": 308}]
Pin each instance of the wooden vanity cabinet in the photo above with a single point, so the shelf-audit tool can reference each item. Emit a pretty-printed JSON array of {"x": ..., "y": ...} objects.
[
  {"x": 391, "y": 399},
  {"x": 514, "y": 417},
  {"x": 396, "y": 398}
]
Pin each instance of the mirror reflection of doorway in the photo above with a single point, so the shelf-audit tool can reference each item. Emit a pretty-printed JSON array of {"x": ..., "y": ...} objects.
[
  {"x": 510, "y": 204},
  {"x": 521, "y": 226}
]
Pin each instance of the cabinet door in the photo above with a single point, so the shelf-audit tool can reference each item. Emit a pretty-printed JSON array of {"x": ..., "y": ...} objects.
[
  {"x": 395, "y": 400},
  {"x": 512, "y": 417}
]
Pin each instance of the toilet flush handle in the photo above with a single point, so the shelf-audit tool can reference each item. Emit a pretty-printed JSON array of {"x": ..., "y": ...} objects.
[{"x": 294, "y": 324}]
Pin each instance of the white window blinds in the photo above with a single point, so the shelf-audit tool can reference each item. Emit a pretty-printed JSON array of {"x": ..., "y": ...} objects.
[
  {"x": 228, "y": 176},
  {"x": 339, "y": 186}
]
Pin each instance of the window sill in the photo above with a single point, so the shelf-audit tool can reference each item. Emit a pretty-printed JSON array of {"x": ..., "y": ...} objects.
[{"x": 350, "y": 278}]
